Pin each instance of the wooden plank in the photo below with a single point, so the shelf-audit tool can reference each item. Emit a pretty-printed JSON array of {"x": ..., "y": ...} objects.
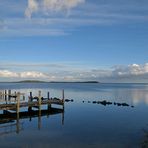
[{"x": 33, "y": 103}]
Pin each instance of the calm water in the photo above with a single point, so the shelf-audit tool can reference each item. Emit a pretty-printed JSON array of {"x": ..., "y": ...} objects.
[{"x": 85, "y": 124}]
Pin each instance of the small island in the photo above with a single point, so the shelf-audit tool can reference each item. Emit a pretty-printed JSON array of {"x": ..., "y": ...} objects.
[{"x": 38, "y": 81}]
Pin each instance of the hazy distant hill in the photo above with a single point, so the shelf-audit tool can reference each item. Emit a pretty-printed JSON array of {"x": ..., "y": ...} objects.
[
  {"x": 37, "y": 81},
  {"x": 32, "y": 81}
]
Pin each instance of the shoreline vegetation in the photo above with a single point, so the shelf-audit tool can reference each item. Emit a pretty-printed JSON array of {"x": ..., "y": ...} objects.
[{"x": 37, "y": 81}]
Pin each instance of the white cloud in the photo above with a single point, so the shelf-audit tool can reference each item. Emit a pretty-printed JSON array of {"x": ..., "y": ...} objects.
[
  {"x": 131, "y": 70},
  {"x": 47, "y": 6},
  {"x": 32, "y": 7},
  {"x": 33, "y": 74},
  {"x": 7, "y": 73},
  {"x": 29, "y": 74}
]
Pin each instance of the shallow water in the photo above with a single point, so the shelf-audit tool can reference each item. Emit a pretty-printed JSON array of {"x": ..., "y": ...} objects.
[{"x": 83, "y": 124}]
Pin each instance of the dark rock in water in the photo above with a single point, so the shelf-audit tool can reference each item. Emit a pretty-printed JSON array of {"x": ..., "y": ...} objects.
[
  {"x": 67, "y": 100},
  {"x": 94, "y": 102},
  {"x": 104, "y": 102},
  {"x": 119, "y": 104},
  {"x": 83, "y": 101},
  {"x": 125, "y": 104},
  {"x": 132, "y": 106}
]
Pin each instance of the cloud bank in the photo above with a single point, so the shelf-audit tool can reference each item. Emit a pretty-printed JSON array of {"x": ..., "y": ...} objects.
[
  {"x": 24, "y": 75},
  {"x": 120, "y": 73},
  {"x": 47, "y": 6}
]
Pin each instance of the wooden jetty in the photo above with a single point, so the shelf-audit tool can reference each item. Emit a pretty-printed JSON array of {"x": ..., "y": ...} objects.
[
  {"x": 14, "y": 101},
  {"x": 11, "y": 104}
]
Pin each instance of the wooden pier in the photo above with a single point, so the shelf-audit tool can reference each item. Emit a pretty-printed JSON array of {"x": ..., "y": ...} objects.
[
  {"x": 15, "y": 102},
  {"x": 11, "y": 104}
]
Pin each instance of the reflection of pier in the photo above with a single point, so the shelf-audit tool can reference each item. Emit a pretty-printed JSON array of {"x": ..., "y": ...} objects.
[
  {"x": 10, "y": 128},
  {"x": 11, "y": 109}
]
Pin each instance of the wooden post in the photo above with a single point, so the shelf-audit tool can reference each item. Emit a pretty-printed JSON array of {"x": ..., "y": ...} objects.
[
  {"x": 18, "y": 102},
  {"x": 31, "y": 96},
  {"x": 2, "y": 94},
  {"x": 9, "y": 95},
  {"x": 5, "y": 95},
  {"x": 49, "y": 104},
  {"x": 39, "y": 99},
  {"x": 63, "y": 95},
  {"x": 48, "y": 95},
  {"x": 29, "y": 100},
  {"x": 17, "y": 111}
]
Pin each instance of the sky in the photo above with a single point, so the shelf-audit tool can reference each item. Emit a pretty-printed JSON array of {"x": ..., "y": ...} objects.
[{"x": 74, "y": 40}]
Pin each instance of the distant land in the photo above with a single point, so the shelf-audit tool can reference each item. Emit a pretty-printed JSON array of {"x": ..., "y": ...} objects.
[{"x": 37, "y": 81}]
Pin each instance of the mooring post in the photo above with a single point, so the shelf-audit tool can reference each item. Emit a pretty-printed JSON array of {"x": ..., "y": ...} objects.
[
  {"x": 49, "y": 104},
  {"x": 15, "y": 94},
  {"x": 63, "y": 95},
  {"x": 9, "y": 94},
  {"x": 17, "y": 111},
  {"x": 18, "y": 103},
  {"x": 31, "y": 96},
  {"x": 48, "y": 95},
  {"x": 5, "y": 95},
  {"x": 29, "y": 101},
  {"x": 39, "y": 97},
  {"x": 2, "y": 94}
]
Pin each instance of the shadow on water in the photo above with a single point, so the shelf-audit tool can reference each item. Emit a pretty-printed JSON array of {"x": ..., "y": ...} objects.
[{"x": 10, "y": 122}]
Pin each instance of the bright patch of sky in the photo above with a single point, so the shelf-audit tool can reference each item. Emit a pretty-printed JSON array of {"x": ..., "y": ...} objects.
[{"x": 74, "y": 40}]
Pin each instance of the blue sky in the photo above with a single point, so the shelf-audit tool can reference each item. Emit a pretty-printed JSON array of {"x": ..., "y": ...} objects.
[{"x": 74, "y": 40}]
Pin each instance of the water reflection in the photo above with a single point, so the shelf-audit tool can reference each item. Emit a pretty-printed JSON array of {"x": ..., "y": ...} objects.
[
  {"x": 133, "y": 93},
  {"x": 12, "y": 122},
  {"x": 110, "y": 121}
]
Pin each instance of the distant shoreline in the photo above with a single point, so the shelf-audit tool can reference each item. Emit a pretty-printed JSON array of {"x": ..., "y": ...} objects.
[{"x": 36, "y": 81}]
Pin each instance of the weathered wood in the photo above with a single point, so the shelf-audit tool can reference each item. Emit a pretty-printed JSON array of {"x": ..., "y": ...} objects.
[
  {"x": 39, "y": 98},
  {"x": 37, "y": 102},
  {"x": 48, "y": 95},
  {"x": 18, "y": 102},
  {"x": 30, "y": 104},
  {"x": 30, "y": 96},
  {"x": 5, "y": 95},
  {"x": 63, "y": 95},
  {"x": 9, "y": 94}
]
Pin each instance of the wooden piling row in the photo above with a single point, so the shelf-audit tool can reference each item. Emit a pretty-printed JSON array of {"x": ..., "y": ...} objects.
[{"x": 7, "y": 95}]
